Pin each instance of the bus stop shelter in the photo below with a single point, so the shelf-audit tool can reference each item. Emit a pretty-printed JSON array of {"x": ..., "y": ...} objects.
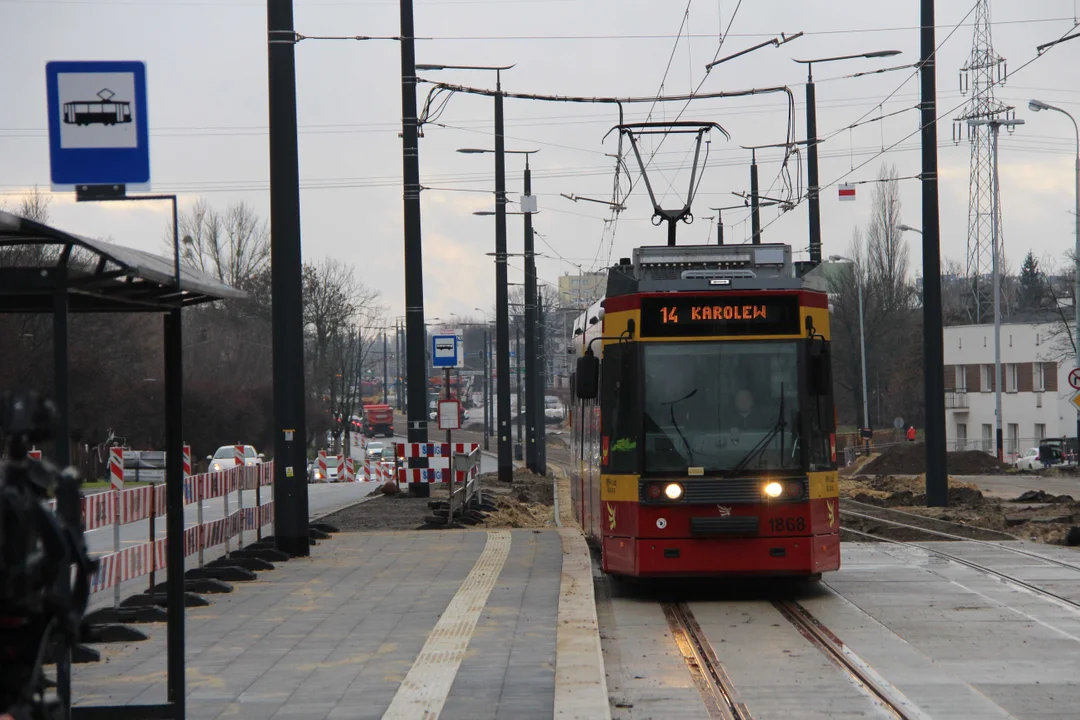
[{"x": 47, "y": 270}]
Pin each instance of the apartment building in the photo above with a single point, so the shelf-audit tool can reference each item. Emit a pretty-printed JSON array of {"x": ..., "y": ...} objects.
[
  {"x": 582, "y": 290},
  {"x": 1035, "y": 387}
]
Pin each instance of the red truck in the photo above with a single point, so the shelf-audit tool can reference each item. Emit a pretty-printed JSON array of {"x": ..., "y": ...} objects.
[{"x": 378, "y": 419}]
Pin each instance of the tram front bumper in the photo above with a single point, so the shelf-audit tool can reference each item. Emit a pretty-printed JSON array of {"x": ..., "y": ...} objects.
[{"x": 765, "y": 556}]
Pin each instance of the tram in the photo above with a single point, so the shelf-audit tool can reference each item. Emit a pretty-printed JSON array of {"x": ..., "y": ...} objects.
[
  {"x": 703, "y": 423},
  {"x": 99, "y": 112}
]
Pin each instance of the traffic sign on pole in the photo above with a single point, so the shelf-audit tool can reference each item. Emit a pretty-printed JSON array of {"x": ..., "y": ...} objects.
[
  {"x": 1074, "y": 378},
  {"x": 98, "y": 128},
  {"x": 1075, "y": 400},
  {"x": 444, "y": 351}
]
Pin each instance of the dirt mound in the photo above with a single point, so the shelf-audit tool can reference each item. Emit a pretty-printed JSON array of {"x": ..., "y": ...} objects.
[
  {"x": 1041, "y": 496},
  {"x": 910, "y": 459},
  {"x": 513, "y": 513},
  {"x": 860, "y": 462}
]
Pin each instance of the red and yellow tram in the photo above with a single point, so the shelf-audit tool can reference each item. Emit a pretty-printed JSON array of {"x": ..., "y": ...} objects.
[{"x": 703, "y": 420}]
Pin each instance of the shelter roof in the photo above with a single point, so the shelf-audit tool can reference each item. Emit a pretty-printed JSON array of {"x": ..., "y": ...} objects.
[{"x": 99, "y": 276}]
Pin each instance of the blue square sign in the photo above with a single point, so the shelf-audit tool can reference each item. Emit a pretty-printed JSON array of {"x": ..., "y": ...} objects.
[
  {"x": 98, "y": 127},
  {"x": 444, "y": 351}
]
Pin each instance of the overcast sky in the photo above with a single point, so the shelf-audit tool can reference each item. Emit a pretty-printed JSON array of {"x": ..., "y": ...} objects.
[{"x": 206, "y": 66}]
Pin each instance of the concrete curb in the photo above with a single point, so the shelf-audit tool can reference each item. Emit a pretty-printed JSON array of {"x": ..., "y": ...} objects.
[{"x": 580, "y": 681}]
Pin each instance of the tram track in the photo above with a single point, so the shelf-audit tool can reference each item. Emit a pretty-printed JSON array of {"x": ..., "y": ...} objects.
[
  {"x": 708, "y": 674},
  {"x": 881, "y": 691},
  {"x": 1015, "y": 581},
  {"x": 717, "y": 690}
]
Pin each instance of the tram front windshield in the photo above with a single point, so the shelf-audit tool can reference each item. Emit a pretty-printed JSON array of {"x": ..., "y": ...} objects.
[{"x": 708, "y": 405}]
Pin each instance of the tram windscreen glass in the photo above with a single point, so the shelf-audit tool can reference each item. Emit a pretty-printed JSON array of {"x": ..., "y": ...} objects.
[
  {"x": 677, "y": 316},
  {"x": 709, "y": 404}
]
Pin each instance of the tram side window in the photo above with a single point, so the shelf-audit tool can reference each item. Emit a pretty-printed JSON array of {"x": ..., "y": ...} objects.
[{"x": 619, "y": 399}]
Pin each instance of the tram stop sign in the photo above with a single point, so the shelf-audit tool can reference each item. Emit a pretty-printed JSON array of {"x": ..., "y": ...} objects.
[
  {"x": 866, "y": 433},
  {"x": 1074, "y": 378}
]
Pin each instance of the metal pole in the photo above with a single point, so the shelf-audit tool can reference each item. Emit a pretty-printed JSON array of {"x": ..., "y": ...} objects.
[
  {"x": 937, "y": 488},
  {"x": 517, "y": 380},
  {"x": 531, "y": 361},
  {"x": 446, "y": 381},
  {"x": 385, "y": 370},
  {"x": 415, "y": 332},
  {"x": 719, "y": 228},
  {"x": 290, "y": 470},
  {"x": 174, "y": 489},
  {"x": 487, "y": 389},
  {"x": 812, "y": 167},
  {"x": 397, "y": 369},
  {"x": 862, "y": 346},
  {"x": 755, "y": 202},
  {"x": 502, "y": 300},
  {"x": 1076, "y": 271},
  {"x": 62, "y": 446},
  {"x": 994, "y": 129},
  {"x": 541, "y": 350}
]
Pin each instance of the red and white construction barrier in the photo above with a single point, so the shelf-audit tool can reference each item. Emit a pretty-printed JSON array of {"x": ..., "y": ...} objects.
[
  {"x": 120, "y": 507},
  {"x": 438, "y": 456},
  {"x": 116, "y": 468},
  {"x": 434, "y": 450}
]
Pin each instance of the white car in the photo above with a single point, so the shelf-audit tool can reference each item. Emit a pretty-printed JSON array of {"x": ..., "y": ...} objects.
[
  {"x": 1029, "y": 460},
  {"x": 225, "y": 457},
  {"x": 375, "y": 450}
]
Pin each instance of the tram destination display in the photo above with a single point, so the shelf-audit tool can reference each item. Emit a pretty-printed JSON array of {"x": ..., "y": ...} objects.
[{"x": 719, "y": 315}]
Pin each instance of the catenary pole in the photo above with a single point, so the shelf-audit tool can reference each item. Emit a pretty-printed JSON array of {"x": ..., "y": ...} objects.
[
  {"x": 812, "y": 167},
  {"x": 415, "y": 332},
  {"x": 937, "y": 488},
  {"x": 502, "y": 300},
  {"x": 755, "y": 202},
  {"x": 290, "y": 433},
  {"x": 531, "y": 360}
]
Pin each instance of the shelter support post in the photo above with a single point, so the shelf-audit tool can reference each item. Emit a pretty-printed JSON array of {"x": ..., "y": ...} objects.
[{"x": 174, "y": 509}]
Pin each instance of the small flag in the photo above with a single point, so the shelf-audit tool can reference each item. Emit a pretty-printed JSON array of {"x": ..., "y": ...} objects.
[{"x": 847, "y": 192}]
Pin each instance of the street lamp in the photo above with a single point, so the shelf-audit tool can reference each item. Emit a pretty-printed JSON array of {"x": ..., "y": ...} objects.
[
  {"x": 502, "y": 310},
  {"x": 811, "y": 143},
  {"x": 1038, "y": 106},
  {"x": 862, "y": 337},
  {"x": 908, "y": 228},
  {"x": 995, "y": 125}
]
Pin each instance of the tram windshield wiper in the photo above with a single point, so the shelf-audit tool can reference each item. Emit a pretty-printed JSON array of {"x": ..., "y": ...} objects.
[
  {"x": 675, "y": 424},
  {"x": 762, "y": 444}
]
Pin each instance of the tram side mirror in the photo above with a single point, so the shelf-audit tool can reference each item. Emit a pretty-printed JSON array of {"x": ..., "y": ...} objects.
[{"x": 587, "y": 376}]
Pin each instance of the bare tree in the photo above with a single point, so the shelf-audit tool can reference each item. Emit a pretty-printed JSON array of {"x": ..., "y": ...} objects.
[
  {"x": 890, "y": 321},
  {"x": 335, "y": 303},
  {"x": 233, "y": 246}
]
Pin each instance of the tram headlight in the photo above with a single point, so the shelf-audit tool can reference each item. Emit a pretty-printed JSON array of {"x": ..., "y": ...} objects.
[
  {"x": 773, "y": 489},
  {"x": 673, "y": 491}
]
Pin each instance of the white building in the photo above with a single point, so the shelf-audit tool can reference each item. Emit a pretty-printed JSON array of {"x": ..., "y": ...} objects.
[{"x": 1035, "y": 389}]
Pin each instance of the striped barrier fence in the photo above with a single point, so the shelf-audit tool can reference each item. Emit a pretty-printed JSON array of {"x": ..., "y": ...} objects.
[
  {"x": 438, "y": 456},
  {"x": 121, "y": 507}
]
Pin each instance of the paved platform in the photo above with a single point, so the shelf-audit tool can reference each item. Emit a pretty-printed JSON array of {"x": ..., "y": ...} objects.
[{"x": 451, "y": 624}]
